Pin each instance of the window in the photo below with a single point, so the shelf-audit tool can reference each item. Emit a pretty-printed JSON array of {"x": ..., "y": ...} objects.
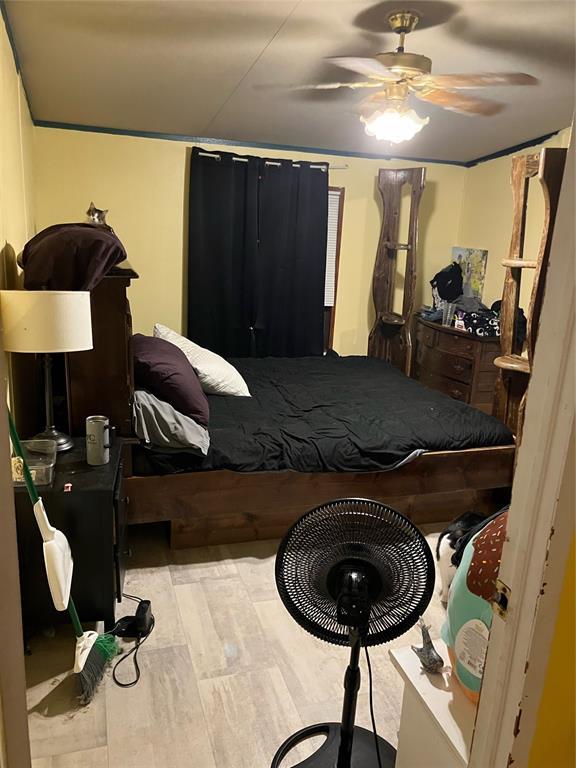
[
  {"x": 335, "y": 210},
  {"x": 335, "y": 213}
]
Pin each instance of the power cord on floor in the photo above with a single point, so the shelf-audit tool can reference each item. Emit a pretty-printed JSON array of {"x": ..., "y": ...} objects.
[
  {"x": 371, "y": 697},
  {"x": 140, "y": 628}
]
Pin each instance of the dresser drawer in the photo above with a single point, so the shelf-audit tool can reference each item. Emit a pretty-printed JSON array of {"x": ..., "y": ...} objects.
[
  {"x": 459, "y": 345},
  {"x": 454, "y": 389},
  {"x": 490, "y": 351},
  {"x": 445, "y": 364},
  {"x": 426, "y": 337}
]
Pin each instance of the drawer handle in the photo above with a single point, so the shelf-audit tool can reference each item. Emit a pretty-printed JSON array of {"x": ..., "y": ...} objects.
[
  {"x": 458, "y": 394},
  {"x": 458, "y": 367}
]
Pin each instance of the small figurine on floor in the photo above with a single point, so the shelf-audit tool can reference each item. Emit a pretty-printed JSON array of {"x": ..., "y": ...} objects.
[{"x": 429, "y": 657}]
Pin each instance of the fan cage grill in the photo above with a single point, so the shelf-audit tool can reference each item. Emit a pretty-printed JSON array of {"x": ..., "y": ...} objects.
[{"x": 360, "y": 529}]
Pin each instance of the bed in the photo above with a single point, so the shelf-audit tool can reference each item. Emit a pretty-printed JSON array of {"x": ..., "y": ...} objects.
[{"x": 317, "y": 429}]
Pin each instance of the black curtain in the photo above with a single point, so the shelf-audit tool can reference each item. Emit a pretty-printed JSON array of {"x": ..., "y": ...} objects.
[
  {"x": 223, "y": 242},
  {"x": 257, "y": 255},
  {"x": 291, "y": 259}
]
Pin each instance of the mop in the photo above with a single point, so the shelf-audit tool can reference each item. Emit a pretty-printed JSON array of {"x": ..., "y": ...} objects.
[{"x": 93, "y": 651}]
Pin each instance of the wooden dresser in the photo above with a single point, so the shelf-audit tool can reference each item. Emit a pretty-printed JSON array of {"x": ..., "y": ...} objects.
[
  {"x": 456, "y": 363},
  {"x": 99, "y": 381}
]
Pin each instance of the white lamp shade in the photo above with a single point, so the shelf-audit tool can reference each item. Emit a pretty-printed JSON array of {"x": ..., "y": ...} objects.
[
  {"x": 46, "y": 321},
  {"x": 396, "y": 123}
]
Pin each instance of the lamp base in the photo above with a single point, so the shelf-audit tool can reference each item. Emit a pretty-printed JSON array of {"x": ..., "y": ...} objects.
[
  {"x": 63, "y": 441},
  {"x": 326, "y": 756}
]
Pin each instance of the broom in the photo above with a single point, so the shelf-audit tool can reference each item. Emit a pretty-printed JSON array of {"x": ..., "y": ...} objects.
[{"x": 93, "y": 651}]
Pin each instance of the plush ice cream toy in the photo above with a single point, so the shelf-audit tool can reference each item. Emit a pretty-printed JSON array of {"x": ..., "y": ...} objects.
[{"x": 469, "y": 612}]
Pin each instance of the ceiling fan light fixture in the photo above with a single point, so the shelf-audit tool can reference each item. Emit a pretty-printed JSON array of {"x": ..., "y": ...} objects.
[{"x": 396, "y": 123}]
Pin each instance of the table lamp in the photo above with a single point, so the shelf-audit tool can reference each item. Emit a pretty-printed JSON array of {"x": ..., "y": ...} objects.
[{"x": 47, "y": 322}]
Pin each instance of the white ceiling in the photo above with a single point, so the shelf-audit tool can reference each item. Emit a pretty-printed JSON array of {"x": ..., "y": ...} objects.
[{"x": 196, "y": 68}]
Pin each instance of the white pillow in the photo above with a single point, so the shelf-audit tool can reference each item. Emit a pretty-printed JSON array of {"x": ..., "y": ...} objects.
[{"x": 217, "y": 376}]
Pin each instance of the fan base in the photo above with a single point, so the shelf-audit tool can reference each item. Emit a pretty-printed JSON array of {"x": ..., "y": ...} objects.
[{"x": 363, "y": 748}]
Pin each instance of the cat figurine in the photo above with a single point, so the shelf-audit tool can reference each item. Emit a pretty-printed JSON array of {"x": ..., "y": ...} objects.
[{"x": 96, "y": 215}]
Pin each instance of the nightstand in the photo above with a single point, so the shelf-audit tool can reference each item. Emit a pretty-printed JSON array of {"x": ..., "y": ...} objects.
[
  {"x": 92, "y": 516},
  {"x": 456, "y": 363}
]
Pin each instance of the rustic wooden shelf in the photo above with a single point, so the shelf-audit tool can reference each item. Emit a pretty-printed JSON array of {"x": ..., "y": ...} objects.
[
  {"x": 397, "y": 246},
  {"x": 514, "y": 363},
  {"x": 391, "y": 318},
  {"x": 519, "y": 263},
  {"x": 390, "y": 337},
  {"x": 514, "y": 371}
]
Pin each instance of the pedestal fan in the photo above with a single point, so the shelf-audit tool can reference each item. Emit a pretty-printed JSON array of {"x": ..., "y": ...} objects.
[{"x": 352, "y": 572}]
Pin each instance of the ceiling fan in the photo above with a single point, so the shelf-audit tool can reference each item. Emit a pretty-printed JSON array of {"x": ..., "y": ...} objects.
[{"x": 397, "y": 74}]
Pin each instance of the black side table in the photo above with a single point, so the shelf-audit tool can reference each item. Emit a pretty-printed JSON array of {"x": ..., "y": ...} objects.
[{"x": 92, "y": 516}]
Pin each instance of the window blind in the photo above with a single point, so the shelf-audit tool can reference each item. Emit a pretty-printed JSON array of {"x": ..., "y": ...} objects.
[{"x": 334, "y": 196}]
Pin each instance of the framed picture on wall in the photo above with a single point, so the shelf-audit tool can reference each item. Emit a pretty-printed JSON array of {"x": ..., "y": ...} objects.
[{"x": 473, "y": 264}]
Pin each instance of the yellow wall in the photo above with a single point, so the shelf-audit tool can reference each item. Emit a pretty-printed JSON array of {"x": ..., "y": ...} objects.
[
  {"x": 16, "y": 174},
  {"x": 486, "y": 220},
  {"x": 143, "y": 181},
  {"x": 553, "y": 745},
  {"x": 16, "y": 177},
  {"x": 554, "y": 738}
]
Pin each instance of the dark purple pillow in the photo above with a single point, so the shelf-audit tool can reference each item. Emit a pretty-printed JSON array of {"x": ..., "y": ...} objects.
[{"x": 164, "y": 370}]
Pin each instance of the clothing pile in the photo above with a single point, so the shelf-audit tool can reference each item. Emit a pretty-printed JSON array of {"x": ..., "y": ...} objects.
[
  {"x": 470, "y": 314},
  {"x": 483, "y": 322},
  {"x": 70, "y": 257}
]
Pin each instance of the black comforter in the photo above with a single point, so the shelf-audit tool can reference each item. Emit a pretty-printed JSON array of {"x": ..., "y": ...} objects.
[{"x": 330, "y": 414}]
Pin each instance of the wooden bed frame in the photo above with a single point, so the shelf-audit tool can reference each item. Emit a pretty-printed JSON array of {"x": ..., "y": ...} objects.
[{"x": 220, "y": 506}]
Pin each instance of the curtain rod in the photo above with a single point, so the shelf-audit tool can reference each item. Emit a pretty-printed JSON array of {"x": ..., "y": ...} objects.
[{"x": 322, "y": 167}]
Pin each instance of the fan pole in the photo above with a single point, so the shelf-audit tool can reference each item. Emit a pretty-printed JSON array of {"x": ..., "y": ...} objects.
[{"x": 351, "y": 686}]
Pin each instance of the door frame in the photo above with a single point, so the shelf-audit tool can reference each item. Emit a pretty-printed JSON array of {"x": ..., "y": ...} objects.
[
  {"x": 539, "y": 529},
  {"x": 14, "y": 737}
]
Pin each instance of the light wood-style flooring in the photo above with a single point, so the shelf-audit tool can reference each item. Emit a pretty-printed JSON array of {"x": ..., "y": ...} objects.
[{"x": 227, "y": 674}]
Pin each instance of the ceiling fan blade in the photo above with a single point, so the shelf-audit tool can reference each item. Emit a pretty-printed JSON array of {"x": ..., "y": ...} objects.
[
  {"x": 353, "y": 86},
  {"x": 458, "y": 102},
  {"x": 366, "y": 67},
  {"x": 479, "y": 80},
  {"x": 316, "y": 86}
]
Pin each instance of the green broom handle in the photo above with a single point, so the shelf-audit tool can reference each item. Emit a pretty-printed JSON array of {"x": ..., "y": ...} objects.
[
  {"x": 34, "y": 497},
  {"x": 72, "y": 612},
  {"x": 31, "y": 488}
]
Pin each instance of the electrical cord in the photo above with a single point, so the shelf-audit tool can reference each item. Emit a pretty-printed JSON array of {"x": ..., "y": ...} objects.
[
  {"x": 132, "y": 597},
  {"x": 122, "y": 621},
  {"x": 139, "y": 643},
  {"x": 371, "y": 697},
  {"x": 140, "y": 640},
  {"x": 114, "y": 628}
]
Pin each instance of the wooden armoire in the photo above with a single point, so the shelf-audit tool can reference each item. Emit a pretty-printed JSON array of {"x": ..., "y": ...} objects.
[{"x": 100, "y": 380}]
